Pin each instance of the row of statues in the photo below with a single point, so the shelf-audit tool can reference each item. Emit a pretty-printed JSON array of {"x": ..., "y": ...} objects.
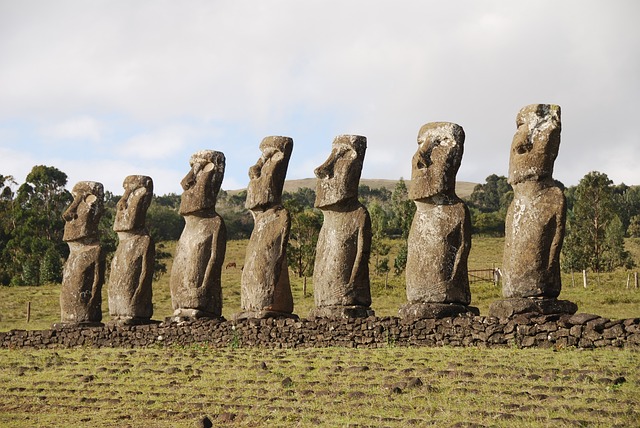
[{"x": 439, "y": 241}]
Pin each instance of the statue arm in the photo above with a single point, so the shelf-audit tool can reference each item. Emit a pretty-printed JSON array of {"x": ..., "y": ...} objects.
[
  {"x": 558, "y": 236},
  {"x": 363, "y": 247},
  {"x": 146, "y": 270},
  {"x": 218, "y": 250},
  {"x": 465, "y": 243}
]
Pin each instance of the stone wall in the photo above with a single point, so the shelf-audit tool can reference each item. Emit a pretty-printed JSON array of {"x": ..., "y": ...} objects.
[{"x": 524, "y": 331}]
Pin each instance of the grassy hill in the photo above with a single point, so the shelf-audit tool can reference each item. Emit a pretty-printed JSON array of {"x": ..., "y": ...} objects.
[{"x": 463, "y": 188}]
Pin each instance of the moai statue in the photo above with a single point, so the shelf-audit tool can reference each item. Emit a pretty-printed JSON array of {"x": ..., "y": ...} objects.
[
  {"x": 196, "y": 286},
  {"x": 132, "y": 265},
  {"x": 341, "y": 271},
  {"x": 440, "y": 237},
  {"x": 83, "y": 274},
  {"x": 265, "y": 290},
  {"x": 534, "y": 228}
]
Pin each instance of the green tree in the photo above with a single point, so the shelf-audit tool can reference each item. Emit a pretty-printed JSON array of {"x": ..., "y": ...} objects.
[
  {"x": 634, "y": 227},
  {"x": 379, "y": 248},
  {"x": 594, "y": 235},
  {"x": 164, "y": 222},
  {"x": 493, "y": 195},
  {"x": 39, "y": 226},
  {"x": 402, "y": 210},
  {"x": 303, "y": 237},
  {"x": 7, "y": 224}
]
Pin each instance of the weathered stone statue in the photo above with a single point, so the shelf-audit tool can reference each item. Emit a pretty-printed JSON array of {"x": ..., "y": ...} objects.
[
  {"x": 440, "y": 237},
  {"x": 83, "y": 274},
  {"x": 341, "y": 271},
  {"x": 132, "y": 265},
  {"x": 265, "y": 290},
  {"x": 196, "y": 288},
  {"x": 535, "y": 222}
]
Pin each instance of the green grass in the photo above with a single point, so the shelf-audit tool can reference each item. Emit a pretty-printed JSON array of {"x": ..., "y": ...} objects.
[
  {"x": 174, "y": 387},
  {"x": 606, "y": 294}
]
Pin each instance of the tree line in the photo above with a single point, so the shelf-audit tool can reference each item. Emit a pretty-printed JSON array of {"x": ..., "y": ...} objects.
[{"x": 599, "y": 216}]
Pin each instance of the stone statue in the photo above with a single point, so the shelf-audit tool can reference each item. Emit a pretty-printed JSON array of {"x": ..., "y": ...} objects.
[
  {"x": 440, "y": 237},
  {"x": 341, "y": 271},
  {"x": 196, "y": 286},
  {"x": 265, "y": 290},
  {"x": 83, "y": 274},
  {"x": 132, "y": 265},
  {"x": 534, "y": 227}
]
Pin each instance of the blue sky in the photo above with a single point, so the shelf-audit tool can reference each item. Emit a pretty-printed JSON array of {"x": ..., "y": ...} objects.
[{"x": 105, "y": 89}]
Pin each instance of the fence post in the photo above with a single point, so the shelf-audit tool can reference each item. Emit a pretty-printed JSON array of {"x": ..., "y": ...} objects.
[
  {"x": 628, "y": 279},
  {"x": 304, "y": 286},
  {"x": 584, "y": 277},
  {"x": 28, "y": 312},
  {"x": 635, "y": 279}
]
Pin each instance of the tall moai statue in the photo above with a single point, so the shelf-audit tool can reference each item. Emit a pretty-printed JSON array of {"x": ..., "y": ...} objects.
[
  {"x": 440, "y": 237},
  {"x": 83, "y": 273},
  {"x": 341, "y": 272},
  {"x": 132, "y": 265},
  {"x": 535, "y": 223},
  {"x": 196, "y": 285},
  {"x": 265, "y": 288}
]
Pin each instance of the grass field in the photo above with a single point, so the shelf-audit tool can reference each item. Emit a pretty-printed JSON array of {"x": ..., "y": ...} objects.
[{"x": 332, "y": 387}]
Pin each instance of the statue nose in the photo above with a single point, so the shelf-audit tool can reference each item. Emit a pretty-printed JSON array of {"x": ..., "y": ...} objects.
[{"x": 188, "y": 180}]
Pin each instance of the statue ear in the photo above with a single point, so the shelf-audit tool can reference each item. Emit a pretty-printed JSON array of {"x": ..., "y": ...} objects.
[
  {"x": 208, "y": 167},
  {"x": 90, "y": 199},
  {"x": 140, "y": 191},
  {"x": 277, "y": 157}
]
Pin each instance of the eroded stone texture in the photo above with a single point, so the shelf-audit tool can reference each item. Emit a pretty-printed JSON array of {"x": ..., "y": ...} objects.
[
  {"x": 534, "y": 227},
  {"x": 196, "y": 289},
  {"x": 440, "y": 237},
  {"x": 130, "y": 293},
  {"x": 265, "y": 288},
  {"x": 83, "y": 273},
  {"x": 341, "y": 271}
]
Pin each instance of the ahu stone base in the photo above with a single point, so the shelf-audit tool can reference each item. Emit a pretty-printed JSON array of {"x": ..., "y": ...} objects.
[
  {"x": 338, "y": 312},
  {"x": 184, "y": 315},
  {"x": 508, "y": 308},
  {"x": 124, "y": 321},
  {"x": 73, "y": 325},
  {"x": 263, "y": 314},
  {"x": 436, "y": 310}
]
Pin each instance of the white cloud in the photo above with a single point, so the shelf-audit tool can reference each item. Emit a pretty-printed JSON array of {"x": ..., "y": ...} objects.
[
  {"x": 317, "y": 69},
  {"x": 157, "y": 144},
  {"x": 78, "y": 128}
]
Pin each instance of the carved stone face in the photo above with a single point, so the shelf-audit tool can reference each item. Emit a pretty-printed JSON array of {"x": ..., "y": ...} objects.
[
  {"x": 132, "y": 207},
  {"x": 268, "y": 174},
  {"x": 202, "y": 184},
  {"x": 339, "y": 177},
  {"x": 535, "y": 143},
  {"x": 437, "y": 160},
  {"x": 83, "y": 215}
]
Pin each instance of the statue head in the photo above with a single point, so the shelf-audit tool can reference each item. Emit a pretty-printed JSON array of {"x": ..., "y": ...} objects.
[
  {"x": 202, "y": 183},
  {"x": 535, "y": 144},
  {"x": 437, "y": 160},
  {"x": 338, "y": 178},
  {"x": 84, "y": 213},
  {"x": 132, "y": 207},
  {"x": 268, "y": 174}
]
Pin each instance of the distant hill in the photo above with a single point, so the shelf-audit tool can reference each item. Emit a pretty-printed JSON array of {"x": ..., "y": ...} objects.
[{"x": 463, "y": 188}]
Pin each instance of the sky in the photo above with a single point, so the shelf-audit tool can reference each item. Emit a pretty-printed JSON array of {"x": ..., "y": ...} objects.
[{"x": 106, "y": 89}]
